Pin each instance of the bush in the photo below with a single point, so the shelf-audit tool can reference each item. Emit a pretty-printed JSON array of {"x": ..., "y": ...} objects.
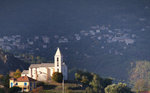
[
  {"x": 58, "y": 77},
  {"x": 2, "y": 90},
  {"x": 118, "y": 88},
  {"x": 14, "y": 89},
  {"x": 5, "y": 81}
]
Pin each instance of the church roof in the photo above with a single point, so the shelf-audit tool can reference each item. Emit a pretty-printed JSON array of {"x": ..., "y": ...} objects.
[
  {"x": 42, "y": 65},
  {"x": 25, "y": 72}
]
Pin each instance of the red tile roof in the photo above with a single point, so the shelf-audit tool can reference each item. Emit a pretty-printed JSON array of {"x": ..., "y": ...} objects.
[{"x": 25, "y": 79}]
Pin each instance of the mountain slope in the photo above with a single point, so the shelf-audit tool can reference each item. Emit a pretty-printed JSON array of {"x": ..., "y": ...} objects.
[
  {"x": 9, "y": 63},
  {"x": 100, "y": 36}
]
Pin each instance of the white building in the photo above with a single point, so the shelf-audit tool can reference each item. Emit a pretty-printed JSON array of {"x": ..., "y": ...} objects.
[{"x": 44, "y": 71}]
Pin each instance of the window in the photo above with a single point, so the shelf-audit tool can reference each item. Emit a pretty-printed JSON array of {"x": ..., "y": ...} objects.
[
  {"x": 25, "y": 84},
  {"x": 16, "y": 83},
  {"x": 57, "y": 61},
  {"x": 11, "y": 84}
]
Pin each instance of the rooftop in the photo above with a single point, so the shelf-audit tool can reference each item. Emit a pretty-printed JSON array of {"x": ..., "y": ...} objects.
[
  {"x": 25, "y": 79},
  {"x": 25, "y": 72},
  {"x": 42, "y": 65}
]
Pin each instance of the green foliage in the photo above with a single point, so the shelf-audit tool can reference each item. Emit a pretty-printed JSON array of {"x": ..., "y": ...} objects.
[
  {"x": 58, "y": 77},
  {"x": 89, "y": 90},
  {"x": 118, "y": 88},
  {"x": 2, "y": 90},
  {"x": 83, "y": 77},
  {"x": 14, "y": 89},
  {"x": 140, "y": 76},
  {"x": 17, "y": 74},
  {"x": 5, "y": 80},
  {"x": 95, "y": 83},
  {"x": 85, "y": 80},
  {"x": 78, "y": 76}
]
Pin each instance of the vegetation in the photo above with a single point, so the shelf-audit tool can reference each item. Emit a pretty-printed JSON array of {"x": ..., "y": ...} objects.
[
  {"x": 118, "y": 88},
  {"x": 58, "y": 77},
  {"x": 14, "y": 89},
  {"x": 92, "y": 82},
  {"x": 5, "y": 81},
  {"x": 140, "y": 76},
  {"x": 17, "y": 74}
]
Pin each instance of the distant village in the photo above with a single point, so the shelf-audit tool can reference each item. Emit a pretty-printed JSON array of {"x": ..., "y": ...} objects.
[{"x": 101, "y": 34}]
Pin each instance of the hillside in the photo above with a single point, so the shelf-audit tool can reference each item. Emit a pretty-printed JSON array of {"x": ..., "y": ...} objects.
[
  {"x": 9, "y": 63},
  {"x": 101, "y": 36}
]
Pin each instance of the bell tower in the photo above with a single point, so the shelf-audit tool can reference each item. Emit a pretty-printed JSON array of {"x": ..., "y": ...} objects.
[{"x": 58, "y": 60}]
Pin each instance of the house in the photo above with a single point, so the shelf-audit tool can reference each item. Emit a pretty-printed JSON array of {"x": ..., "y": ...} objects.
[
  {"x": 24, "y": 82},
  {"x": 44, "y": 71}
]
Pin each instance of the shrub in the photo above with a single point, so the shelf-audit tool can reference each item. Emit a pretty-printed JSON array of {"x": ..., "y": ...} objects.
[
  {"x": 118, "y": 88},
  {"x": 58, "y": 77},
  {"x": 14, "y": 89}
]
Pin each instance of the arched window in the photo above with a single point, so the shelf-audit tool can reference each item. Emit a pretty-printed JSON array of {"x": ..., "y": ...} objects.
[{"x": 57, "y": 61}]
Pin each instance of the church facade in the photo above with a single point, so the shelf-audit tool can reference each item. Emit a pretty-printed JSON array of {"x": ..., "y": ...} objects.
[{"x": 44, "y": 71}]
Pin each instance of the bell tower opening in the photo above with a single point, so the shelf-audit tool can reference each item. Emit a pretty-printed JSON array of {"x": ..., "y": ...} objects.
[{"x": 57, "y": 62}]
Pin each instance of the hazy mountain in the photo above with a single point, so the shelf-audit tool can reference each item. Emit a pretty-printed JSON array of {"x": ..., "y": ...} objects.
[{"x": 102, "y": 36}]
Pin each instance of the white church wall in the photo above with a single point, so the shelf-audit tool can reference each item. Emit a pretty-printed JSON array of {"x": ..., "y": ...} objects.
[
  {"x": 34, "y": 73},
  {"x": 25, "y": 75},
  {"x": 41, "y": 74},
  {"x": 42, "y": 77}
]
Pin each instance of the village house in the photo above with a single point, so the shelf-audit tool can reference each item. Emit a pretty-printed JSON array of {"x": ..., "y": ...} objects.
[{"x": 25, "y": 83}]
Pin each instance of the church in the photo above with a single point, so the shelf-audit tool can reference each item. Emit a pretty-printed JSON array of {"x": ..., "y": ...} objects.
[{"x": 44, "y": 71}]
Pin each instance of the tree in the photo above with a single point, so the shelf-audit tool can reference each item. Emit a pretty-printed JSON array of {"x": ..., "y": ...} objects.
[
  {"x": 92, "y": 81},
  {"x": 58, "y": 77},
  {"x": 89, "y": 90},
  {"x": 140, "y": 76},
  {"x": 85, "y": 80},
  {"x": 118, "y": 88},
  {"x": 96, "y": 84},
  {"x": 78, "y": 77},
  {"x": 83, "y": 77},
  {"x": 5, "y": 80},
  {"x": 17, "y": 74}
]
